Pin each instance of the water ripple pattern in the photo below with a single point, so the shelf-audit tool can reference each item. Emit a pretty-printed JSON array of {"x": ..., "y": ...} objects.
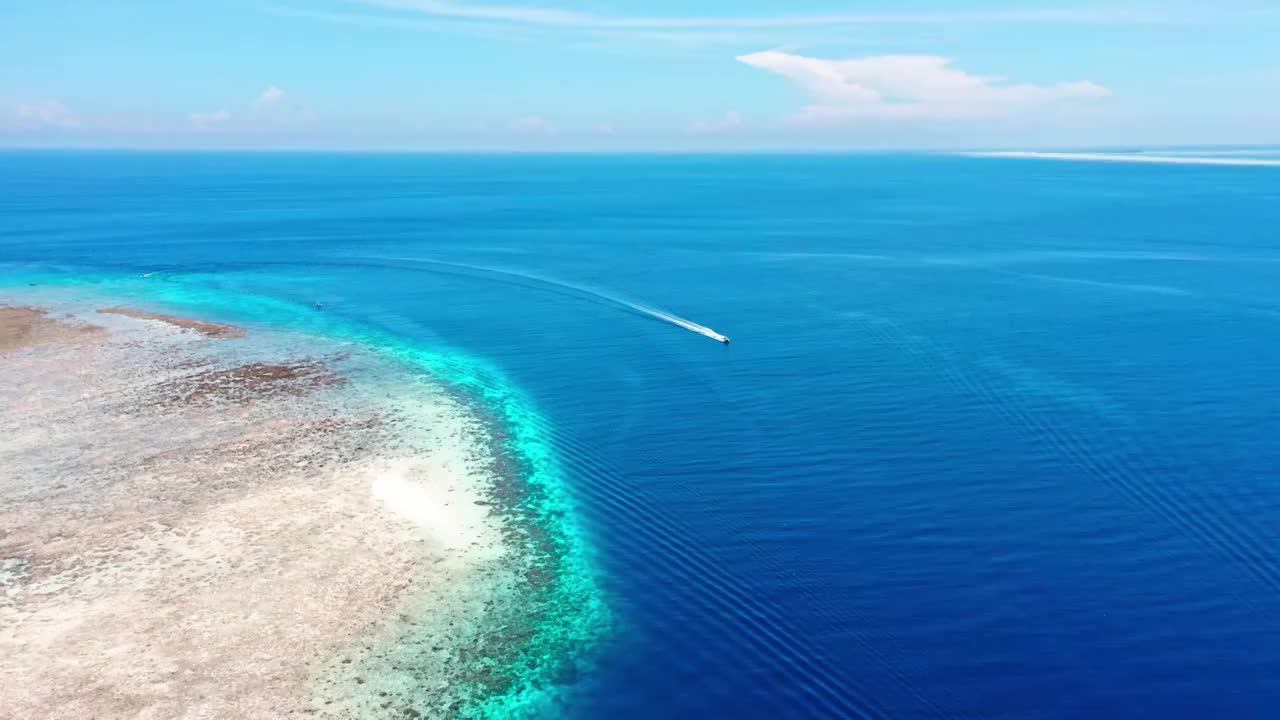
[{"x": 994, "y": 438}]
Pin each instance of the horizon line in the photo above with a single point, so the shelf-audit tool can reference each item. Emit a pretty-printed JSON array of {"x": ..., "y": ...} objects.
[{"x": 497, "y": 150}]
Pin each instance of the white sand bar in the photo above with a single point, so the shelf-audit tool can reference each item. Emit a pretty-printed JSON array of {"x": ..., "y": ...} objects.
[{"x": 1142, "y": 158}]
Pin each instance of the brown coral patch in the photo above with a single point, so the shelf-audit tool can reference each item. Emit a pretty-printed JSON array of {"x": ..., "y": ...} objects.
[
  {"x": 26, "y": 326},
  {"x": 251, "y": 381},
  {"x": 203, "y": 327}
]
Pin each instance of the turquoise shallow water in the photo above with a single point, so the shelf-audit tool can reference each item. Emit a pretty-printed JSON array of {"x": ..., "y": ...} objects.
[{"x": 994, "y": 438}]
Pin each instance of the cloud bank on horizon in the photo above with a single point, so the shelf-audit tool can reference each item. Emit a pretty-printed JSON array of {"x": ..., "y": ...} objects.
[
  {"x": 909, "y": 87},
  {"x": 454, "y": 74}
]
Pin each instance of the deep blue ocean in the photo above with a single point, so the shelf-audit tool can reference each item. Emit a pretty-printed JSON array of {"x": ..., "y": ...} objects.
[{"x": 994, "y": 438}]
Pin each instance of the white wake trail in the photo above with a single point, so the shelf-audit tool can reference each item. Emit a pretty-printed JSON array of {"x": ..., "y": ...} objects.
[
  {"x": 581, "y": 290},
  {"x": 682, "y": 322}
]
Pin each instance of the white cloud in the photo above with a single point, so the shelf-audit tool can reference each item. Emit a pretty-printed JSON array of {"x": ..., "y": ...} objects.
[
  {"x": 268, "y": 98},
  {"x": 266, "y": 111},
  {"x": 556, "y": 17},
  {"x": 731, "y": 120},
  {"x": 210, "y": 120},
  {"x": 532, "y": 124},
  {"x": 909, "y": 87},
  {"x": 47, "y": 113}
]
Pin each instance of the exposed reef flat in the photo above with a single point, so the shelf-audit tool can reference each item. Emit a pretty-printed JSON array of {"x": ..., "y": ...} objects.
[{"x": 196, "y": 522}]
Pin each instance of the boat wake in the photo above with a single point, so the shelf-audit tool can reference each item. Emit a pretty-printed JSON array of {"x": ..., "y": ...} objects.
[
  {"x": 680, "y": 322},
  {"x": 554, "y": 284}
]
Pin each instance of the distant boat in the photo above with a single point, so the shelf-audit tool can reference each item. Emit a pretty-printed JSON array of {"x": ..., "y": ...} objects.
[{"x": 724, "y": 339}]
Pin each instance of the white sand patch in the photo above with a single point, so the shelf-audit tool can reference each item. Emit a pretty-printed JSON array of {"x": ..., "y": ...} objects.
[{"x": 432, "y": 504}]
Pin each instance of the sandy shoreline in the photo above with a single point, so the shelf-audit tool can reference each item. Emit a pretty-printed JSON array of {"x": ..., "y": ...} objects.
[
  {"x": 193, "y": 525},
  {"x": 1147, "y": 159}
]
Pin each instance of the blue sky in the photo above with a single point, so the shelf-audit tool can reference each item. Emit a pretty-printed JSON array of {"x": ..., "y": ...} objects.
[{"x": 633, "y": 75}]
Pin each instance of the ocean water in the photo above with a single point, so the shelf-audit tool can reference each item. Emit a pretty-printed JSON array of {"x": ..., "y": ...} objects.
[{"x": 994, "y": 438}]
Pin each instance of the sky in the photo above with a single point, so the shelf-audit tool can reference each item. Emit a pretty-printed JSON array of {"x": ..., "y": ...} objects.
[{"x": 638, "y": 75}]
